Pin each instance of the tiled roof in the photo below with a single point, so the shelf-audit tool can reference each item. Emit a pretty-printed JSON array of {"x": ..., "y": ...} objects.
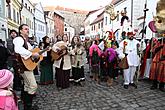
[{"x": 50, "y": 8}]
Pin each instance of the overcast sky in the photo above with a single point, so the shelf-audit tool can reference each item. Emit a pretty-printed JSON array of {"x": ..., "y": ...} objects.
[{"x": 76, "y": 4}]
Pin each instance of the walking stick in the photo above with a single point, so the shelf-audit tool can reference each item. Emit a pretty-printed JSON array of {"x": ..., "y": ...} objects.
[{"x": 142, "y": 41}]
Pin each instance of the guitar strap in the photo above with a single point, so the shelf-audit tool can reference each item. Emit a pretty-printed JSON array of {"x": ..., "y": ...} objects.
[{"x": 62, "y": 63}]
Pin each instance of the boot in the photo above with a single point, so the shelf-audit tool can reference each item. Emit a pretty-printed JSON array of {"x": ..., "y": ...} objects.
[
  {"x": 154, "y": 85},
  {"x": 94, "y": 77},
  {"x": 109, "y": 81},
  {"x": 27, "y": 101},
  {"x": 161, "y": 87},
  {"x": 97, "y": 79}
]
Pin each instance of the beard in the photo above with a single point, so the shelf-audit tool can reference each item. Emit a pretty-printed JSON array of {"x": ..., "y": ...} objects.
[{"x": 131, "y": 38}]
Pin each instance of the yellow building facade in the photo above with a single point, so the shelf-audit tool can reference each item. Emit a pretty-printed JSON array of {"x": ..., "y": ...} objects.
[{"x": 13, "y": 15}]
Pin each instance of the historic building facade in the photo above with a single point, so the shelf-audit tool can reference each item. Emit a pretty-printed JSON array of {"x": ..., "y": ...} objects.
[
  {"x": 50, "y": 25},
  {"x": 3, "y": 21},
  {"x": 39, "y": 21},
  {"x": 27, "y": 15}
]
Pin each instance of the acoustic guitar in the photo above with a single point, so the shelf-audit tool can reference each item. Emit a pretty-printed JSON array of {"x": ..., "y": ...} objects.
[
  {"x": 32, "y": 62},
  {"x": 57, "y": 55}
]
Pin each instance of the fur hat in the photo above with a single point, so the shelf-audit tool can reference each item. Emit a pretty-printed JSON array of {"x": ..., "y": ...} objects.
[
  {"x": 6, "y": 78},
  {"x": 130, "y": 34}
]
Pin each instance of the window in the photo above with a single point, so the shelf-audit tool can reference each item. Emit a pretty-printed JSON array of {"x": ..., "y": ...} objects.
[
  {"x": 35, "y": 26},
  {"x": 14, "y": 15},
  {"x": 32, "y": 25},
  {"x": 9, "y": 12},
  {"x": 17, "y": 17},
  {"x": 65, "y": 29},
  {"x": 117, "y": 16},
  {"x": 105, "y": 20},
  {"x": 99, "y": 25}
]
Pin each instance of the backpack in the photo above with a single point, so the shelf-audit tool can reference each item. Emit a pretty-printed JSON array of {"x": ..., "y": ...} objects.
[{"x": 95, "y": 58}]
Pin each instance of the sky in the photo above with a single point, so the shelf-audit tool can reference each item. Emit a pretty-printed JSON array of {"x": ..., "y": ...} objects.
[{"x": 76, "y": 4}]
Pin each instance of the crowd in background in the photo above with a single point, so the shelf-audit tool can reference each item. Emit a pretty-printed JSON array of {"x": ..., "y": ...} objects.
[{"x": 104, "y": 57}]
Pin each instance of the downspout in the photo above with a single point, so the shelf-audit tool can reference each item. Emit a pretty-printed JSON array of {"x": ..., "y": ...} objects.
[{"x": 131, "y": 11}]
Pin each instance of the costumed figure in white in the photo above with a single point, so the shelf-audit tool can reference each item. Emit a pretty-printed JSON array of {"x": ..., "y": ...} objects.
[{"x": 130, "y": 48}]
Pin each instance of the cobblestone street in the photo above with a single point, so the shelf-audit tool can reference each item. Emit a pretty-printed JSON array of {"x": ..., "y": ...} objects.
[{"x": 100, "y": 97}]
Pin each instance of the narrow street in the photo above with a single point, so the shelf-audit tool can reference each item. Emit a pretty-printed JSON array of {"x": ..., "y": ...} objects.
[{"x": 100, "y": 97}]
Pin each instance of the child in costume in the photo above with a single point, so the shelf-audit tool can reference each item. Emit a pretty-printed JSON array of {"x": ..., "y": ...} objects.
[{"x": 8, "y": 100}]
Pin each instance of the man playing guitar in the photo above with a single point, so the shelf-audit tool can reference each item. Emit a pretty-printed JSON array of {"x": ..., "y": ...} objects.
[{"x": 22, "y": 47}]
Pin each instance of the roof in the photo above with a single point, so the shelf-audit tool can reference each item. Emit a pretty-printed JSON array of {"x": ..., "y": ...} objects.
[
  {"x": 99, "y": 18},
  {"x": 58, "y": 13},
  {"x": 114, "y": 2},
  {"x": 50, "y": 8},
  {"x": 93, "y": 11}
]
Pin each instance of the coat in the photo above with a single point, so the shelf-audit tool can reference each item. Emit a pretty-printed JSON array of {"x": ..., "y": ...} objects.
[
  {"x": 78, "y": 57},
  {"x": 7, "y": 101},
  {"x": 67, "y": 57}
]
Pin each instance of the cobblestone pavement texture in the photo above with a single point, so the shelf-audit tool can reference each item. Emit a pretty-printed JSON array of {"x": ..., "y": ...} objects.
[{"x": 93, "y": 96}]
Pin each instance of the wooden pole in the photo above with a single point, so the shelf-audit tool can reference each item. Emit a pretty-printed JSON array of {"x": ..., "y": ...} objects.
[{"x": 142, "y": 41}]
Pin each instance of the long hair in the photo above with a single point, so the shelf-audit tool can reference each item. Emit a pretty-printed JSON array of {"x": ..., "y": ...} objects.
[
  {"x": 44, "y": 41},
  {"x": 73, "y": 43},
  {"x": 112, "y": 55}
]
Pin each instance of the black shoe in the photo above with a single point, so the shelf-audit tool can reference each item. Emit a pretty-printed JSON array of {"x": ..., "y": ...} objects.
[
  {"x": 35, "y": 107},
  {"x": 162, "y": 89},
  {"x": 133, "y": 84},
  {"x": 153, "y": 87},
  {"x": 125, "y": 86},
  {"x": 91, "y": 76}
]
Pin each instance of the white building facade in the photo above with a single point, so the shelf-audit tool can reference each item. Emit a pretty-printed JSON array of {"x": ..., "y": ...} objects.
[
  {"x": 40, "y": 23},
  {"x": 3, "y": 21},
  {"x": 91, "y": 16},
  {"x": 27, "y": 16},
  {"x": 50, "y": 25},
  {"x": 69, "y": 30}
]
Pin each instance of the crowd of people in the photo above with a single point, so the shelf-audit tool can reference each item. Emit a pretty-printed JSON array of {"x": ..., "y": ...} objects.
[{"x": 106, "y": 57}]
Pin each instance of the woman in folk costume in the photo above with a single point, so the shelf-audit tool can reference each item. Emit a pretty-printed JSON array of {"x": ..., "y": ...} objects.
[
  {"x": 78, "y": 63},
  {"x": 94, "y": 53},
  {"x": 111, "y": 65},
  {"x": 130, "y": 48},
  {"x": 157, "y": 72},
  {"x": 46, "y": 65},
  {"x": 63, "y": 64},
  {"x": 74, "y": 41},
  {"x": 8, "y": 99}
]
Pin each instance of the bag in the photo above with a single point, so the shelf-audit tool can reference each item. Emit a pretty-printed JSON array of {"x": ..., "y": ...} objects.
[
  {"x": 123, "y": 64},
  {"x": 95, "y": 58}
]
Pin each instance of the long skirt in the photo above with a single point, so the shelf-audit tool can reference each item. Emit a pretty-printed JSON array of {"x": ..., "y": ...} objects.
[
  {"x": 46, "y": 74},
  {"x": 78, "y": 74},
  {"x": 62, "y": 78}
]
